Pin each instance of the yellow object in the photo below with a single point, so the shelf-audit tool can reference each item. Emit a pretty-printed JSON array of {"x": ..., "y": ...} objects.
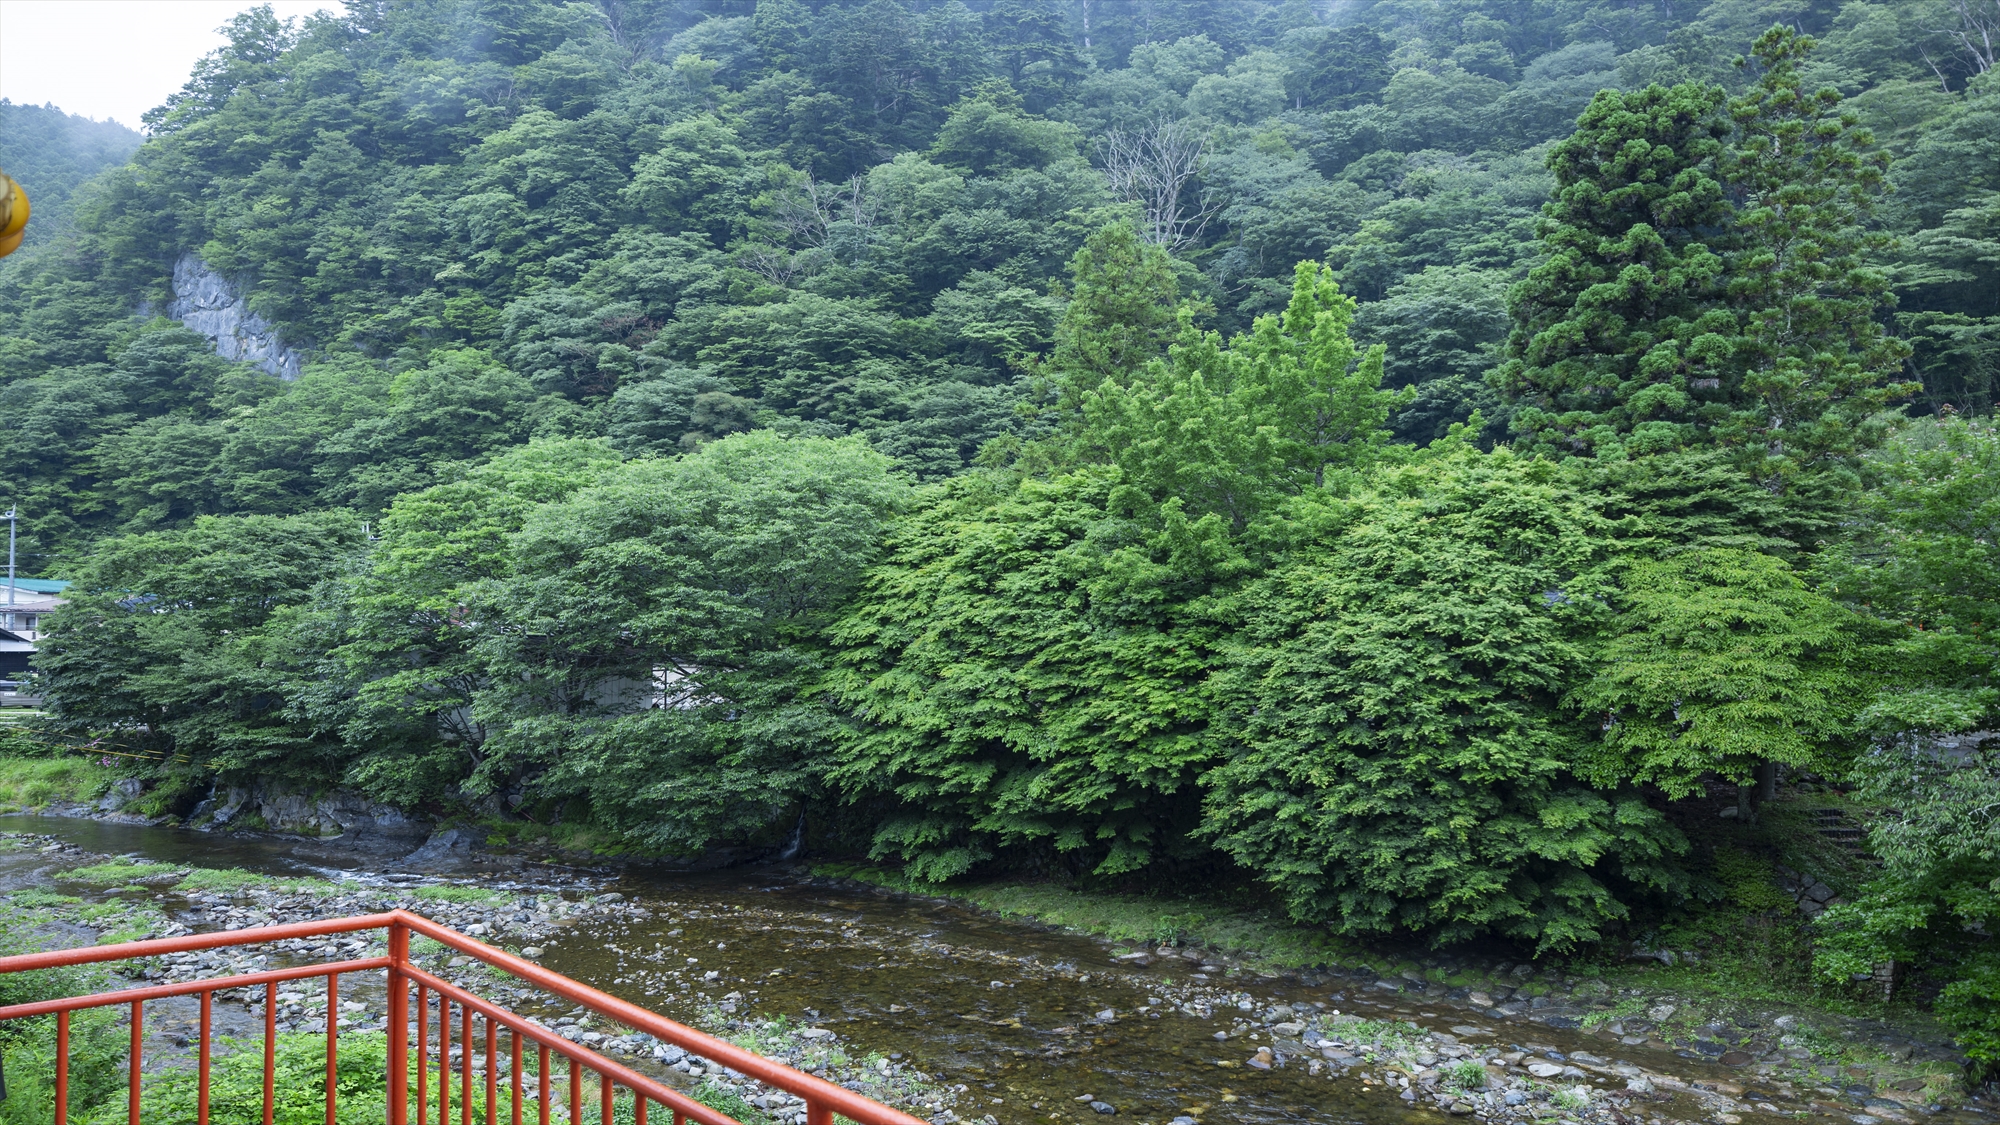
[{"x": 13, "y": 214}]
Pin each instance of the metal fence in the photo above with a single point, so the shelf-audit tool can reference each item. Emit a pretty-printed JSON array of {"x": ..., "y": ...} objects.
[{"x": 420, "y": 1076}]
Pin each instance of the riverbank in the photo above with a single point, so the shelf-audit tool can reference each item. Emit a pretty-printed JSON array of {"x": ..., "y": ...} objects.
[
  {"x": 1845, "y": 1051},
  {"x": 1689, "y": 1004},
  {"x": 38, "y": 783},
  {"x": 1412, "y": 1049},
  {"x": 81, "y": 897}
]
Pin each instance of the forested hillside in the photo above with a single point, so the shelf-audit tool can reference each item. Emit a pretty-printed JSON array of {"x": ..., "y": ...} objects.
[
  {"x": 52, "y": 153},
  {"x": 1397, "y": 458}
]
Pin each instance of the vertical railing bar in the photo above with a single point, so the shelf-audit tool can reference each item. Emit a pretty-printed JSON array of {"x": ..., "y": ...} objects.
[
  {"x": 492, "y": 1072},
  {"x": 62, "y": 1067},
  {"x": 465, "y": 1050},
  {"x": 270, "y": 1053},
  {"x": 399, "y": 1026},
  {"x": 444, "y": 1059},
  {"x": 638, "y": 1108},
  {"x": 542, "y": 1082},
  {"x": 138, "y": 1051},
  {"x": 423, "y": 1064},
  {"x": 332, "y": 1043},
  {"x": 607, "y": 1092},
  {"x": 514, "y": 1079},
  {"x": 207, "y": 1022},
  {"x": 575, "y": 1092}
]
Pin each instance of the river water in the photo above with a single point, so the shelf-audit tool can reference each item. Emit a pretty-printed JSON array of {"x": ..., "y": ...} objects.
[{"x": 1011, "y": 1012}]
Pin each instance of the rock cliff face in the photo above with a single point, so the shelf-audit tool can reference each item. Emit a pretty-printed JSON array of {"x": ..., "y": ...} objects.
[
  {"x": 207, "y": 303},
  {"x": 279, "y": 808}
]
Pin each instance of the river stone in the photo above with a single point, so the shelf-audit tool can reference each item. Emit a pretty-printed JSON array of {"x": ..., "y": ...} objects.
[
  {"x": 1544, "y": 1069},
  {"x": 448, "y": 848},
  {"x": 1105, "y": 1108},
  {"x": 1735, "y": 1058}
]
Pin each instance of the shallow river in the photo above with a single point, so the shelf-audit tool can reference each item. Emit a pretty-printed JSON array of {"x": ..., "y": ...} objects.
[{"x": 1009, "y": 1011}]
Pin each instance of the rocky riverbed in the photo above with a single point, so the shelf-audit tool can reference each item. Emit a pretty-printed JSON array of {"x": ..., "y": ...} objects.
[{"x": 963, "y": 1019}]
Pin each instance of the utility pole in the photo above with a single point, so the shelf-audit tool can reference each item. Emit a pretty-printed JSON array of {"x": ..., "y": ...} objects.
[{"x": 11, "y": 521}]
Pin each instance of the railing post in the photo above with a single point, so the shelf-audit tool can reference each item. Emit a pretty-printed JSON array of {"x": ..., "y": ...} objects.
[
  {"x": 62, "y": 1067},
  {"x": 818, "y": 1113},
  {"x": 399, "y": 1025},
  {"x": 332, "y": 1046},
  {"x": 207, "y": 1029},
  {"x": 270, "y": 1054},
  {"x": 138, "y": 1050}
]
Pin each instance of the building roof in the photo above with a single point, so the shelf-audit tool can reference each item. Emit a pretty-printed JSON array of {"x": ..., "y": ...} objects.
[{"x": 34, "y": 585}]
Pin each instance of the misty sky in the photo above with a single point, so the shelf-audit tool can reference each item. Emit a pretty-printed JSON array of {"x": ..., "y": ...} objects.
[{"x": 112, "y": 58}]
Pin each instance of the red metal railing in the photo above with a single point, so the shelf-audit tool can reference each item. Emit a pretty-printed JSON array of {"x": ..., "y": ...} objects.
[{"x": 823, "y": 1099}]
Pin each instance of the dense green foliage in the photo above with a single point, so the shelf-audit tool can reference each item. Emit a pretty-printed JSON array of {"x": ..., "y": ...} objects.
[
  {"x": 1925, "y": 555},
  {"x": 50, "y": 154},
  {"x": 1395, "y": 459}
]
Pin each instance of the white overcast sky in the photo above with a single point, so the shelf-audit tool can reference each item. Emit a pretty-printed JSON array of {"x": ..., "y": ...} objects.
[{"x": 113, "y": 58}]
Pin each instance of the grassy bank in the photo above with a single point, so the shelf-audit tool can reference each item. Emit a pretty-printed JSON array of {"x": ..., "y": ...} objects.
[
  {"x": 1255, "y": 938},
  {"x": 34, "y": 783},
  {"x": 1742, "y": 953}
]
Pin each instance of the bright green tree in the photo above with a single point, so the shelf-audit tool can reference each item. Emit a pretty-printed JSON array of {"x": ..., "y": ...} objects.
[
  {"x": 166, "y": 645},
  {"x": 1937, "y": 901},
  {"x": 412, "y": 625},
  {"x": 1023, "y": 678},
  {"x": 1399, "y": 757},
  {"x": 1719, "y": 662},
  {"x": 650, "y": 651}
]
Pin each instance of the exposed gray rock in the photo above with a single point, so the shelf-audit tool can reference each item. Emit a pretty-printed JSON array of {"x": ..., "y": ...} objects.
[
  {"x": 207, "y": 303},
  {"x": 280, "y": 808},
  {"x": 121, "y": 793},
  {"x": 448, "y": 848}
]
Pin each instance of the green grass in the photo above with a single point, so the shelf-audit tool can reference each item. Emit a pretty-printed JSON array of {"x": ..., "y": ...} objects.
[
  {"x": 230, "y": 879},
  {"x": 458, "y": 894},
  {"x": 725, "y": 1100},
  {"x": 35, "y": 899},
  {"x": 33, "y": 783},
  {"x": 118, "y": 872},
  {"x": 1252, "y": 935}
]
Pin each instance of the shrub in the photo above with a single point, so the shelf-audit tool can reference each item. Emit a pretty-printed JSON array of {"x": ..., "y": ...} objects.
[{"x": 1465, "y": 1074}]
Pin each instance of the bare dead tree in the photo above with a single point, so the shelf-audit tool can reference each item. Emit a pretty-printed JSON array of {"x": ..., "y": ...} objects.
[
  {"x": 813, "y": 207},
  {"x": 1978, "y": 32},
  {"x": 1155, "y": 168},
  {"x": 775, "y": 264}
]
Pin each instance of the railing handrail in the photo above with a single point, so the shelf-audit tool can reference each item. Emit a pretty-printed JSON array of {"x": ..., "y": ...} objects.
[{"x": 819, "y": 1093}]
